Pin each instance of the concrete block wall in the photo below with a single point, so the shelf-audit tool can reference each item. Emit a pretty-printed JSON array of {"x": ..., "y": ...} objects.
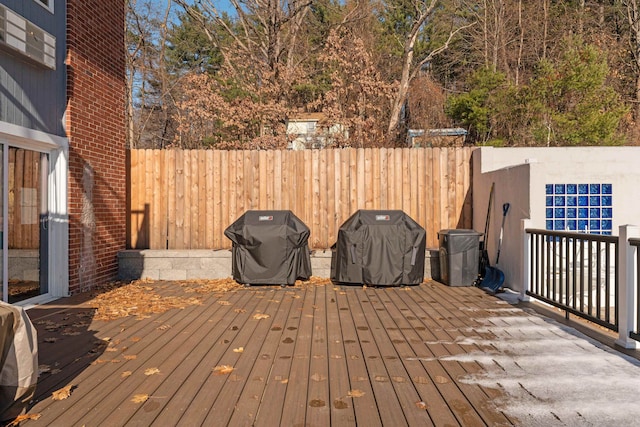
[{"x": 210, "y": 264}]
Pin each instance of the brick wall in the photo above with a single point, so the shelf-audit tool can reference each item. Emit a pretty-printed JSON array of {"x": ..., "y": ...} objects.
[{"x": 95, "y": 123}]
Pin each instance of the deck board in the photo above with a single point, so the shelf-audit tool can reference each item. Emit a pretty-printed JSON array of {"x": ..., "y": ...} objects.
[
  {"x": 324, "y": 355},
  {"x": 365, "y": 406},
  {"x": 341, "y": 409},
  {"x": 295, "y": 402}
]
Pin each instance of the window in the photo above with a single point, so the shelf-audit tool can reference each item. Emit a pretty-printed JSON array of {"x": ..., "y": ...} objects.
[
  {"x": 584, "y": 208},
  {"x": 48, "y": 4},
  {"x": 311, "y": 127}
]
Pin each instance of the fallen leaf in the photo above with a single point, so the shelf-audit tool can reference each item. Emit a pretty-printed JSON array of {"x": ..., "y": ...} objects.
[
  {"x": 51, "y": 340},
  {"x": 151, "y": 371},
  {"x": 259, "y": 316},
  {"x": 355, "y": 393},
  {"x": 63, "y": 393},
  {"x": 164, "y": 327},
  {"x": 111, "y": 349},
  {"x": 223, "y": 369},
  {"x": 21, "y": 418},
  {"x": 421, "y": 405},
  {"x": 130, "y": 357},
  {"x": 42, "y": 369},
  {"x": 125, "y": 374},
  {"x": 317, "y": 377},
  {"x": 140, "y": 398},
  {"x": 240, "y": 310},
  {"x": 224, "y": 302},
  {"x": 238, "y": 350},
  {"x": 284, "y": 381},
  {"x": 441, "y": 380}
]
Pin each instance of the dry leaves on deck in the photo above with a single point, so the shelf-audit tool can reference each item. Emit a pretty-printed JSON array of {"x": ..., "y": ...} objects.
[
  {"x": 223, "y": 369},
  {"x": 151, "y": 371},
  {"x": 313, "y": 281},
  {"x": 63, "y": 393},
  {"x": 21, "y": 418},
  {"x": 137, "y": 298},
  {"x": 259, "y": 316},
  {"x": 207, "y": 286},
  {"x": 140, "y": 398},
  {"x": 355, "y": 393}
]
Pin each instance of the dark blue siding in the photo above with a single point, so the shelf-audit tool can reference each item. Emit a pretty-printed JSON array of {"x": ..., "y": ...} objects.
[{"x": 34, "y": 96}]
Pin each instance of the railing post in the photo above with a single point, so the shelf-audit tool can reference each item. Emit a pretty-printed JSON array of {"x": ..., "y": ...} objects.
[
  {"x": 628, "y": 277},
  {"x": 526, "y": 260}
]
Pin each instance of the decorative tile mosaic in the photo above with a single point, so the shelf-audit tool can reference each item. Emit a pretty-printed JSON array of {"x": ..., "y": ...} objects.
[{"x": 583, "y": 208}]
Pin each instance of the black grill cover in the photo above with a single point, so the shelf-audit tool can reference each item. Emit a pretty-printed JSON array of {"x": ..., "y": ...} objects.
[
  {"x": 269, "y": 248},
  {"x": 381, "y": 248}
]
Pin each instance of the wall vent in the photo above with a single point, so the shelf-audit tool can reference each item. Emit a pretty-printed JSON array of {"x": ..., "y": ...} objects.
[{"x": 21, "y": 36}]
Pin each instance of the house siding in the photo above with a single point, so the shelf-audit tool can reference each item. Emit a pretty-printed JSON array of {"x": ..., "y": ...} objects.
[
  {"x": 95, "y": 123},
  {"x": 33, "y": 96}
]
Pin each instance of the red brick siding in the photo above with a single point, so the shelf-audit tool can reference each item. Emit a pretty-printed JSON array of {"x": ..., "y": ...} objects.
[{"x": 95, "y": 124}]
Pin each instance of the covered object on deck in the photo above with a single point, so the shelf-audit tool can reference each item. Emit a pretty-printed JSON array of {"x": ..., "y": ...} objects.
[
  {"x": 269, "y": 248},
  {"x": 380, "y": 248},
  {"x": 18, "y": 361}
]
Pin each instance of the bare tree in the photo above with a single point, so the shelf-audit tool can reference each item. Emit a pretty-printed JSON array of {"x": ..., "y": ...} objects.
[
  {"x": 633, "y": 18},
  {"x": 423, "y": 10},
  {"x": 148, "y": 84}
]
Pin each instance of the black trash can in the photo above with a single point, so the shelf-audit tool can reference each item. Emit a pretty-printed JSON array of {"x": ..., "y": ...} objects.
[
  {"x": 379, "y": 248},
  {"x": 459, "y": 256},
  {"x": 269, "y": 248}
]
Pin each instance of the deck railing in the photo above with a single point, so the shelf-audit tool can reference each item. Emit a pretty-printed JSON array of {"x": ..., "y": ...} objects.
[
  {"x": 635, "y": 333},
  {"x": 577, "y": 273}
]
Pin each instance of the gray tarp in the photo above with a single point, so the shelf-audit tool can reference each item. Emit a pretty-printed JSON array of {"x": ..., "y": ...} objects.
[
  {"x": 18, "y": 361},
  {"x": 269, "y": 248},
  {"x": 381, "y": 248}
]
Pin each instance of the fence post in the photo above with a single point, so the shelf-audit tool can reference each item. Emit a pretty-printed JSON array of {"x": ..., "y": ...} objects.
[
  {"x": 627, "y": 291},
  {"x": 525, "y": 269}
]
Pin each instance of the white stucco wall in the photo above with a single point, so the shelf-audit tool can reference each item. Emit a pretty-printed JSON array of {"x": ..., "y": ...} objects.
[{"x": 520, "y": 176}]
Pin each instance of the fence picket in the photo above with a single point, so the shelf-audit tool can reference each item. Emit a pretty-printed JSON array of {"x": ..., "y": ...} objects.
[{"x": 185, "y": 199}]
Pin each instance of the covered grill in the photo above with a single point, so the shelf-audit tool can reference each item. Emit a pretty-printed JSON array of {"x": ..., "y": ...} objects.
[
  {"x": 381, "y": 248},
  {"x": 269, "y": 248}
]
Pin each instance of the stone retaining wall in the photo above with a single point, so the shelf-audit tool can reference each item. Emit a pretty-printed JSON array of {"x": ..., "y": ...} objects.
[{"x": 210, "y": 264}]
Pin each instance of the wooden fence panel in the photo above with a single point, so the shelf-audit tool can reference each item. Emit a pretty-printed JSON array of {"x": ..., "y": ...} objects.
[
  {"x": 186, "y": 199},
  {"x": 24, "y": 199}
]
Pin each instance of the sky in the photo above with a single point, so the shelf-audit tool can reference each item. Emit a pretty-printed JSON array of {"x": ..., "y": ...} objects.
[{"x": 161, "y": 5}]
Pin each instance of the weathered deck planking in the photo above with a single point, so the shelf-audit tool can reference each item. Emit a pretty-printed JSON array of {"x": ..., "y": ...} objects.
[
  {"x": 365, "y": 407},
  {"x": 322, "y": 355}
]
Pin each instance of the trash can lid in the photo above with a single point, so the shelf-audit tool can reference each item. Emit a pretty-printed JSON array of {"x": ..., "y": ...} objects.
[{"x": 459, "y": 231}]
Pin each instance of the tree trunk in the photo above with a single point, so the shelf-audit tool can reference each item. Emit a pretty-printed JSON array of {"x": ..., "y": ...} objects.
[{"x": 401, "y": 94}]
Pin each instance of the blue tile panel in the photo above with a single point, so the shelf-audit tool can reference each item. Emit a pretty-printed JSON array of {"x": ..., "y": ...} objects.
[{"x": 585, "y": 208}]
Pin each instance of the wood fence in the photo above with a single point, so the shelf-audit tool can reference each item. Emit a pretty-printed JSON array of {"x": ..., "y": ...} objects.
[
  {"x": 184, "y": 199},
  {"x": 24, "y": 198}
]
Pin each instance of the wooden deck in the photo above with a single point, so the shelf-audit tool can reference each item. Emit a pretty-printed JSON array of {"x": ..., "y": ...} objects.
[{"x": 309, "y": 355}]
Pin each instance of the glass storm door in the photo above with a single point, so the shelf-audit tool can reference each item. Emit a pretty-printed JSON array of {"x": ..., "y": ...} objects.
[{"x": 26, "y": 226}]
